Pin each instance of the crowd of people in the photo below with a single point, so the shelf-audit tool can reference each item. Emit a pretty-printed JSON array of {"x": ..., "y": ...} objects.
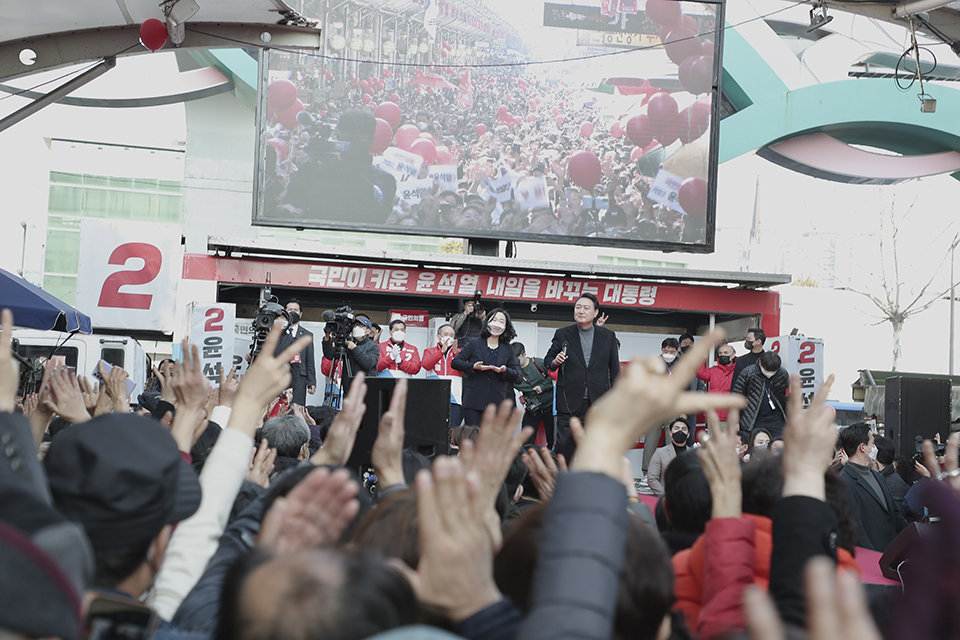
[
  {"x": 228, "y": 512},
  {"x": 510, "y": 143}
]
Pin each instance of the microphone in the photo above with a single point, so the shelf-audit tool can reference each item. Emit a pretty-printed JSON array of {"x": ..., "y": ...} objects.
[
  {"x": 328, "y": 316},
  {"x": 564, "y": 351}
]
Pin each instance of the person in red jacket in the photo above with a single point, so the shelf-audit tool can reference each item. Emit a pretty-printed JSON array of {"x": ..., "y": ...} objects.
[
  {"x": 436, "y": 362},
  {"x": 398, "y": 356},
  {"x": 720, "y": 377}
]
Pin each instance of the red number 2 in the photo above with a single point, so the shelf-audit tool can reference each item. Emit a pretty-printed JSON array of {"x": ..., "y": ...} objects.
[
  {"x": 806, "y": 352},
  {"x": 110, "y": 295},
  {"x": 214, "y": 317},
  {"x": 775, "y": 347}
]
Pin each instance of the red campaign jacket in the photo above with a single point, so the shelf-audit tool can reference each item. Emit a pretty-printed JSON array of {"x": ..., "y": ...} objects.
[
  {"x": 410, "y": 358},
  {"x": 720, "y": 379},
  {"x": 325, "y": 366},
  {"x": 711, "y": 575},
  {"x": 433, "y": 360}
]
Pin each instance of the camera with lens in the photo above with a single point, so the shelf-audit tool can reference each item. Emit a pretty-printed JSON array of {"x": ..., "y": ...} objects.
[
  {"x": 339, "y": 325},
  {"x": 263, "y": 321},
  {"x": 939, "y": 449},
  {"x": 478, "y": 309}
]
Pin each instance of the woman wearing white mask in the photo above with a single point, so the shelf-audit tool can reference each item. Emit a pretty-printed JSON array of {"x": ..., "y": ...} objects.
[
  {"x": 765, "y": 386},
  {"x": 489, "y": 366}
]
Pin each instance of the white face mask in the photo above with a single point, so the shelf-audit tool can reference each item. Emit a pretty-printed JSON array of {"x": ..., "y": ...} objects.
[
  {"x": 496, "y": 328},
  {"x": 398, "y": 336},
  {"x": 873, "y": 453},
  {"x": 669, "y": 357},
  {"x": 769, "y": 374},
  {"x": 446, "y": 341},
  {"x": 359, "y": 332}
]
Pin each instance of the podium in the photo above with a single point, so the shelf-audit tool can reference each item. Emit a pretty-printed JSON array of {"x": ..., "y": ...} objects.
[{"x": 427, "y": 421}]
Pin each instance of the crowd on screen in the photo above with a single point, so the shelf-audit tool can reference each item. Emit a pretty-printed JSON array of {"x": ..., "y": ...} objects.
[
  {"x": 542, "y": 130},
  {"x": 228, "y": 512}
]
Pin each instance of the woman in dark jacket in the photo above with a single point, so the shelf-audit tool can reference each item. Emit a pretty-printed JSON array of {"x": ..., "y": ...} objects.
[{"x": 489, "y": 366}]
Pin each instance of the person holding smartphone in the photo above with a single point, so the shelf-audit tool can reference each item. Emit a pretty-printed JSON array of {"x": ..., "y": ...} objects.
[{"x": 489, "y": 366}]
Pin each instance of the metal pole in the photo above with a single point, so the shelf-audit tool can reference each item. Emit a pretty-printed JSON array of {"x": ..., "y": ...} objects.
[{"x": 953, "y": 248}]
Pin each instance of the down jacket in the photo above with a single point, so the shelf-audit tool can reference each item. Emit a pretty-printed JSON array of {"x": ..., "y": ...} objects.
[
  {"x": 720, "y": 379},
  {"x": 750, "y": 383},
  {"x": 711, "y": 575}
]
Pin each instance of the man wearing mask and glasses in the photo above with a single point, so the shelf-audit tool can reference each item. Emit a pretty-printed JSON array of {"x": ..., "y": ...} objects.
[
  {"x": 362, "y": 352},
  {"x": 765, "y": 386}
]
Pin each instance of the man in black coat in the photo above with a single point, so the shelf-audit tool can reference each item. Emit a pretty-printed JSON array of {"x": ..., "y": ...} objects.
[
  {"x": 589, "y": 362},
  {"x": 303, "y": 367},
  {"x": 870, "y": 499},
  {"x": 754, "y": 345},
  {"x": 886, "y": 452}
]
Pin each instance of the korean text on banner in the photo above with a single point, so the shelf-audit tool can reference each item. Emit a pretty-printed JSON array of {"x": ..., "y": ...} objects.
[{"x": 212, "y": 329}]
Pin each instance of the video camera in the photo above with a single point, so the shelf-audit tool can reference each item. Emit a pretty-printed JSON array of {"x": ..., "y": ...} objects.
[
  {"x": 339, "y": 325},
  {"x": 939, "y": 449},
  {"x": 263, "y": 321},
  {"x": 478, "y": 309}
]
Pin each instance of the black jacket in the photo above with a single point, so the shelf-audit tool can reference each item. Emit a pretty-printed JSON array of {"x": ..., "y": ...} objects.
[
  {"x": 878, "y": 526},
  {"x": 363, "y": 357},
  {"x": 481, "y": 388},
  {"x": 575, "y": 376},
  {"x": 742, "y": 362},
  {"x": 751, "y": 383},
  {"x": 307, "y": 366},
  {"x": 898, "y": 487}
]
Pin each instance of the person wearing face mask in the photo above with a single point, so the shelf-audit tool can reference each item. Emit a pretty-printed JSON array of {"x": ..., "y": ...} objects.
[
  {"x": 719, "y": 378},
  {"x": 662, "y": 457},
  {"x": 871, "y": 502},
  {"x": 753, "y": 343},
  {"x": 397, "y": 356},
  {"x": 489, "y": 366},
  {"x": 438, "y": 363},
  {"x": 765, "y": 386},
  {"x": 303, "y": 366},
  {"x": 362, "y": 354}
]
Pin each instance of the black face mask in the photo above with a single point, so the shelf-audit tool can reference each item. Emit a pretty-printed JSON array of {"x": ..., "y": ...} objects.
[
  {"x": 685, "y": 349},
  {"x": 679, "y": 437},
  {"x": 723, "y": 360},
  {"x": 294, "y": 317}
]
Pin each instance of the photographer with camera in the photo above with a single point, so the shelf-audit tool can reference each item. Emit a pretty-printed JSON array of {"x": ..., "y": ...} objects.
[
  {"x": 536, "y": 386},
  {"x": 469, "y": 321},
  {"x": 398, "y": 356},
  {"x": 358, "y": 352}
]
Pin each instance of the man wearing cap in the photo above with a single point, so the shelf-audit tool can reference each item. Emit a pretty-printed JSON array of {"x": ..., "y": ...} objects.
[{"x": 362, "y": 352}]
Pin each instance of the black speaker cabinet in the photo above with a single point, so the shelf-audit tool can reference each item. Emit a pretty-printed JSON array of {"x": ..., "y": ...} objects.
[
  {"x": 916, "y": 407},
  {"x": 427, "y": 422}
]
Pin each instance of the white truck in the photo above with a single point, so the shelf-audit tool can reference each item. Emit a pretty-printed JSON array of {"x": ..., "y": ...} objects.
[{"x": 84, "y": 352}]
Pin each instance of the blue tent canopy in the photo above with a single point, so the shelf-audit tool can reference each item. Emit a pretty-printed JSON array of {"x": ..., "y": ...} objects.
[{"x": 34, "y": 308}]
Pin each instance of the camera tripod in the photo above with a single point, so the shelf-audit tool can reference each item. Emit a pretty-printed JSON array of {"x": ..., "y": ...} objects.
[{"x": 333, "y": 388}]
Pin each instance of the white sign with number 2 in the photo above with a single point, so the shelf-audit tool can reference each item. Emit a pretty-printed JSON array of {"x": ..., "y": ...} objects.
[{"x": 128, "y": 274}]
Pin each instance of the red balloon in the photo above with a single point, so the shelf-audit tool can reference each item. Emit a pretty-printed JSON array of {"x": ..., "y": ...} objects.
[
  {"x": 364, "y": 84},
  {"x": 424, "y": 148},
  {"x": 706, "y": 48},
  {"x": 153, "y": 34},
  {"x": 615, "y": 130},
  {"x": 443, "y": 155},
  {"x": 390, "y": 112},
  {"x": 693, "y": 196},
  {"x": 636, "y": 153},
  {"x": 662, "y": 111},
  {"x": 532, "y": 104},
  {"x": 429, "y": 136},
  {"x": 663, "y": 12},
  {"x": 444, "y": 53},
  {"x": 555, "y": 111},
  {"x": 531, "y": 118},
  {"x": 394, "y": 97},
  {"x": 288, "y": 117},
  {"x": 640, "y": 130},
  {"x": 681, "y": 43},
  {"x": 693, "y": 122},
  {"x": 281, "y": 94},
  {"x": 502, "y": 111},
  {"x": 560, "y": 121},
  {"x": 383, "y": 136},
  {"x": 281, "y": 147},
  {"x": 445, "y": 44},
  {"x": 481, "y": 129},
  {"x": 586, "y": 128},
  {"x": 584, "y": 169},
  {"x": 323, "y": 113},
  {"x": 406, "y": 135},
  {"x": 702, "y": 74},
  {"x": 365, "y": 98}
]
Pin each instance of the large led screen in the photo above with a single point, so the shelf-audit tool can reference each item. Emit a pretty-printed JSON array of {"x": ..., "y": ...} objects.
[{"x": 590, "y": 122}]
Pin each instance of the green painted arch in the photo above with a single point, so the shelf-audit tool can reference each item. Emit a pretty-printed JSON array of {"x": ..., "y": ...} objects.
[{"x": 868, "y": 111}]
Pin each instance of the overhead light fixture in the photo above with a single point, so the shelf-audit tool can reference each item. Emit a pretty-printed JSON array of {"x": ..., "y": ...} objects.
[
  {"x": 818, "y": 17},
  {"x": 177, "y": 12}
]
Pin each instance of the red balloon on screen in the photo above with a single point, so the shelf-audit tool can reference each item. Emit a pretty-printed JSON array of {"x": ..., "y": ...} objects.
[
  {"x": 640, "y": 130},
  {"x": 364, "y": 84},
  {"x": 663, "y": 12},
  {"x": 429, "y": 136},
  {"x": 560, "y": 121},
  {"x": 394, "y": 97},
  {"x": 424, "y": 148},
  {"x": 502, "y": 111},
  {"x": 390, "y": 112},
  {"x": 288, "y": 117},
  {"x": 692, "y": 195},
  {"x": 616, "y": 131},
  {"x": 531, "y": 117},
  {"x": 383, "y": 136},
  {"x": 406, "y": 135},
  {"x": 365, "y": 98},
  {"x": 281, "y": 148},
  {"x": 702, "y": 74},
  {"x": 281, "y": 94},
  {"x": 636, "y": 153},
  {"x": 692, "y": 123},
  {"x": 706, "y": 48},
  {"x": 662, "y": 111},
  {"x": 323, "y": 113},
  {"x": 681, "y": 43},
  {"x": 584, "y": 169},
  {"x": 444, "y": 53},
  {"x": 532, "y": 104},
  {"x": 586, "y": 128},
  {"x": 153, "y": 34},
  {"x": 555, "y": 111},
  {"x": 443, "y": 155},
  {"x": 481, "y": 129}
]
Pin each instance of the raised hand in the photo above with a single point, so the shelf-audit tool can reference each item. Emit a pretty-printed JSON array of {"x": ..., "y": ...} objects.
[
  {"x": 9, "y": 369},
  {"x": 66, "y": 399},
  {"x": 496, "y": 447},
  {"x": 808, "y": 441},
  {"x": 543, "y": 470},
  {"x": 314, "y": 513},
  {"x": 262, "y": 460},
  {"x": 115, "y": 384},
  {"x": 387, "y": 454},
  {"x": 342, "y": 434},
  {"x": 166, "y": 390},
  {"x": 91, "y": 393},
  {"x": 951, "y": 466},
  {"x": 228, "y": 387},
  {"x": 721, "y": 466},
  {"x": 190, "y": 387}
]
